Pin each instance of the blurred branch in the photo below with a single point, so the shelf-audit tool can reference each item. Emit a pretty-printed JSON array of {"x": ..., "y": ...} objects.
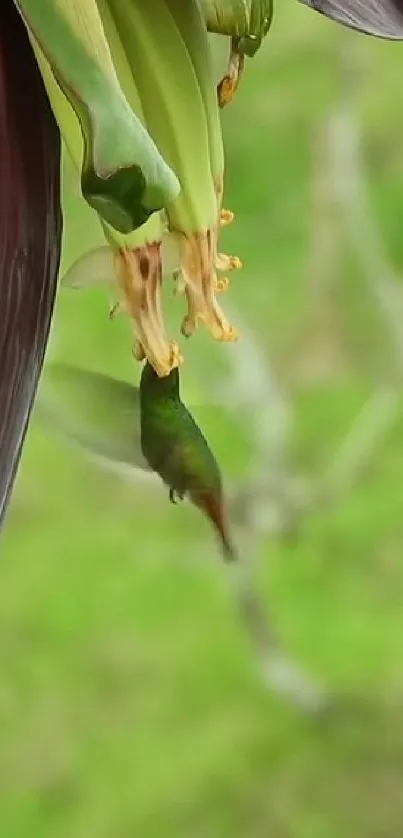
[
  {"x": 360, "y": 442},
  {"x": 277, "y": 669},
  {"x": 319, "y": 352},
  {"x": 258, "y": 510},
  {"x": 360, "y": 223},
  {"x": 350, "y": 191},
  {"x": 266, "y": 501},
  {"x": 342, "y": 213},
  {"x": 253, "y": 383}
]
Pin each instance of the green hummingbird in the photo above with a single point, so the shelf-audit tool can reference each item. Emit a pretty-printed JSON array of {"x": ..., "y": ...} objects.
[
  {"x": 146, "y": 427},
  {"x": 175, "y": 448}
]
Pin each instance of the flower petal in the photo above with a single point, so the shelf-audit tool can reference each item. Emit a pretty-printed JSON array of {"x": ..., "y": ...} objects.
[
  {"x": 94, "y": 267},
  {"x": 382, "y": 18}
]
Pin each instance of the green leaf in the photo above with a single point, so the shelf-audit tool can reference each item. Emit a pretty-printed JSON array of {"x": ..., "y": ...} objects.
[{"x": 123, "y": 175}]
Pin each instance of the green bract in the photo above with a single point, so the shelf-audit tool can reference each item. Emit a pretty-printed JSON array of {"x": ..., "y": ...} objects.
[
  {"x": 124, "y": 176},
  {"x": 161, "y": 55},
  {"x": 246, "y": 20}
]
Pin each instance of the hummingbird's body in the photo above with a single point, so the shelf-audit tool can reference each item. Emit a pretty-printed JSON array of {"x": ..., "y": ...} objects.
[
  {"x": 176, "y": 449},
  {"x": 144, "y": 428}
]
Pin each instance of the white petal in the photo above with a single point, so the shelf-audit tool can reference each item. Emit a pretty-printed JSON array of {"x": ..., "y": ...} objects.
[{"x": 90, "y": 269}]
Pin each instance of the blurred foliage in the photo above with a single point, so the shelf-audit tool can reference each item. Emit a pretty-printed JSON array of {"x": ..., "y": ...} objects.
[{"x": 128, "y": 704}]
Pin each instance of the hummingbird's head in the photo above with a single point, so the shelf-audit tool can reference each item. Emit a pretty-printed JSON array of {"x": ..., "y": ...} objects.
[
  {"x": 162, "y": 385},
  {"x": 214, "y": 508}
]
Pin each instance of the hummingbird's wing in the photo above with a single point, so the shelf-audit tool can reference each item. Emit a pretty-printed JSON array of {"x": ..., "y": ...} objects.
[
  {"x": 381, "y": 18},
  {"x": 98, "y": 412},
  {"x": 102, "y": 415}
]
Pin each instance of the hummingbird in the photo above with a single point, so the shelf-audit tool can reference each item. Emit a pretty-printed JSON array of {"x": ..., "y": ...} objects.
[
  {"x": 174, "y": 447},
  {"x": 148, "y": 427}
]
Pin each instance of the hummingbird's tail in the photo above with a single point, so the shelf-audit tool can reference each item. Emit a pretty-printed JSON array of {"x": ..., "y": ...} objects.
[
  {"x": 214, "y": 509},
  {"x": 229, "y": 552}
]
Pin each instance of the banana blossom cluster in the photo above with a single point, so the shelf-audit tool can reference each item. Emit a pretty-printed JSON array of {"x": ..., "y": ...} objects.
[
  {"x": 132, "y": 87},
  {"x": 129, "y": 87}
]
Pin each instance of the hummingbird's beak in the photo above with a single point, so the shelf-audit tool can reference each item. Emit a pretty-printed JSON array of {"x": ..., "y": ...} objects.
[{"x": 215, "y": 511}]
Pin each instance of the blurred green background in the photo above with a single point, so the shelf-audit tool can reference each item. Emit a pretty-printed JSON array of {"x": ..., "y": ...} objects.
[{"x": 129, "y": 705}]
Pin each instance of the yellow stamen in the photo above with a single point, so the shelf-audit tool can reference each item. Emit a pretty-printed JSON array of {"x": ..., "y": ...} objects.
[
  {"x": 179, "y": 284},
  {"x": 226, "y": 217},
  {"x": 224, "y": 262},
  {"x": 200, "y": 284},
  {"x": 139, "y": 273},
  {"x": 116, "y": 309},
  {"x": 138, "y": 351},
  {"x": 222, "y": 284}
]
